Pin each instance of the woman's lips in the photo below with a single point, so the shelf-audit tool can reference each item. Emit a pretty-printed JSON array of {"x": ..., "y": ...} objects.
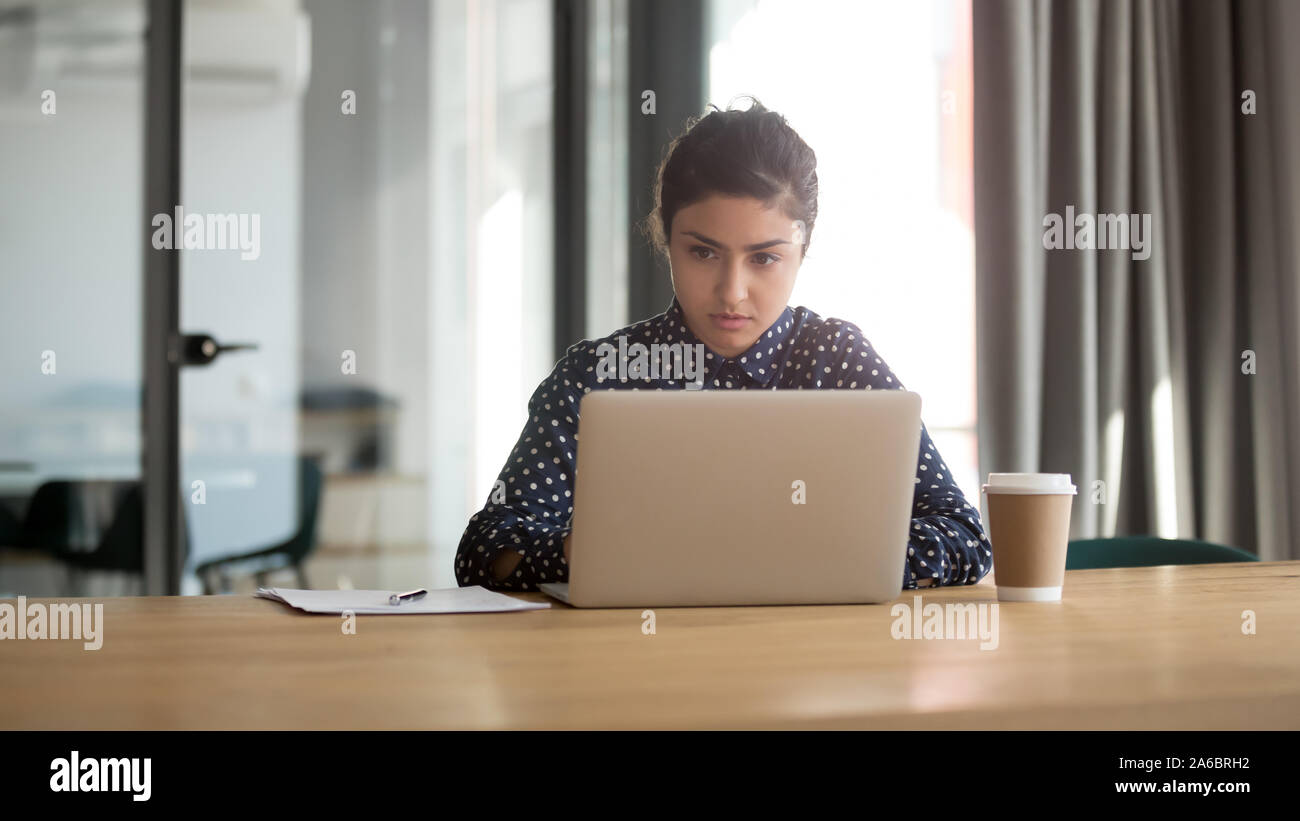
[{"x": 729, "y": 322}]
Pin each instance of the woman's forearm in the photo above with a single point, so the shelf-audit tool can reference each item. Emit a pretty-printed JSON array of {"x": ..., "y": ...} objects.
[
  {"x": 508, "y": 561},
  {"x": 505, "y": 564}
]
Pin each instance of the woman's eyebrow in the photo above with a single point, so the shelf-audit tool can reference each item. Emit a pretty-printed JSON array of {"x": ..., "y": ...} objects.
[{"x": 755, "y": 247}]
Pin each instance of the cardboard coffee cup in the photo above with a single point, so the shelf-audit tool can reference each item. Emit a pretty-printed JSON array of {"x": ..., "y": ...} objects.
[{"x": 1028, "y": 522}]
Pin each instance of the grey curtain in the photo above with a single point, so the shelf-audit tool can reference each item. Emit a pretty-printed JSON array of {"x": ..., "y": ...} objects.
[{"x": 1133, "y": 375}]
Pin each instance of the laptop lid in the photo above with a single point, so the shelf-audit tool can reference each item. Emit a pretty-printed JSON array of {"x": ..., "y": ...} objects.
[{"x": 686, "y": 498}]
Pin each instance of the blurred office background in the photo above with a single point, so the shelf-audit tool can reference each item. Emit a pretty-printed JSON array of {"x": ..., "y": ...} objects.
[
  {"x": 446, "y": 192},
  {"x": 410, "y": 290}
]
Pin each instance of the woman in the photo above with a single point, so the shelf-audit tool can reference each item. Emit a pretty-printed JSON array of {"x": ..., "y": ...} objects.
[{"x": 735, "y": 204}]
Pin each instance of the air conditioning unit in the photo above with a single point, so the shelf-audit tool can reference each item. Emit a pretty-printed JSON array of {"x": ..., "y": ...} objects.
[{"x": 249, "y": 53}]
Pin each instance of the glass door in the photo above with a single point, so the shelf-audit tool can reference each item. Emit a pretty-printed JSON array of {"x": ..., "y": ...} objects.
[
  {"x": 349, "y": 268},
  {"x": 246, "y": 67},
  {"x": 71, "y": 164}
]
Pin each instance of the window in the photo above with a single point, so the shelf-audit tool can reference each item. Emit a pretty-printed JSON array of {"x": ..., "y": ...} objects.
[{"x": 882, "y": 93}]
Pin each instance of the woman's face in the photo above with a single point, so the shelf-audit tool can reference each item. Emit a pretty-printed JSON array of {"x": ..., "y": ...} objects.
[{"x": 733, "y": 263}]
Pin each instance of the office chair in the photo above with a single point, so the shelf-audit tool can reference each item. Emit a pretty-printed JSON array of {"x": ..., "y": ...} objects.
[
  {"x": 289, "y": 553},
  {"x": 10, "y": 529},
  {"x": 10, "y": 534},
  {"x": 60, "y": 520},
  {"x": 58, "y": 516},
  {"x": 1148, "y": 551}
]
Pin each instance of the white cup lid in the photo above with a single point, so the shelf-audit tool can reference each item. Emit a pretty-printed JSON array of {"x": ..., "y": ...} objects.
[{"x": 1029, "y": 483}]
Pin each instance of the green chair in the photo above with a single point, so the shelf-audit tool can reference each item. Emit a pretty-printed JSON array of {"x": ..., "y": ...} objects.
[
  {"x": 288, "y": 554},
  {"x": 1148, "y": 551}
]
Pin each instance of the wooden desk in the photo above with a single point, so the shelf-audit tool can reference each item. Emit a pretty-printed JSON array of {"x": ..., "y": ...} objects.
[{"x": 1127, "y": 648}]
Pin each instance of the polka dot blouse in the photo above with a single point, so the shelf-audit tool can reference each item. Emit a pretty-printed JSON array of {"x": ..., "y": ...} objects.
[{"x": 946, "y": 544}]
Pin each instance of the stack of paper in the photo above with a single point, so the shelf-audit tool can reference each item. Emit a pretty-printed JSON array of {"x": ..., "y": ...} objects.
[{"x": 452, "y": 600}]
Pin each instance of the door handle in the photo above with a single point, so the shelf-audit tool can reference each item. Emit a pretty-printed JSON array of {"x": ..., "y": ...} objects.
[{"x": 201, "y": 349}]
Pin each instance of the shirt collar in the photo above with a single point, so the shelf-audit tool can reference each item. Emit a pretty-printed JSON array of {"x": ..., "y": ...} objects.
[{"x": 758, "y": 363}]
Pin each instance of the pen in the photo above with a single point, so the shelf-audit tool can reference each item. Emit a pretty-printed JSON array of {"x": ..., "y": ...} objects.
[{"x": 398, "y": 598}]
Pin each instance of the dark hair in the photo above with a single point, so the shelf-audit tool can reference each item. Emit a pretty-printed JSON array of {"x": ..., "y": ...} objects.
[{"x": 738, "y": 152}]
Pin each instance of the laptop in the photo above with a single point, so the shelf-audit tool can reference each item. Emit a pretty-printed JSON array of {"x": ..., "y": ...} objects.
[{"x": 712, "y": 498}]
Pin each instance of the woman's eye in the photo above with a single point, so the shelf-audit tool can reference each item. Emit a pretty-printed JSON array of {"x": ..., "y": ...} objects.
[{"x": 763, "y": 259}]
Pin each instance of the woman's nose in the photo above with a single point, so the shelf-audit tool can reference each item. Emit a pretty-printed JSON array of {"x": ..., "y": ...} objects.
[{"x": 733, "y": 288}]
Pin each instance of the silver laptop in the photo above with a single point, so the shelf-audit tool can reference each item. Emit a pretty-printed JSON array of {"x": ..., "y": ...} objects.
[{"x": 695, "y": 498}]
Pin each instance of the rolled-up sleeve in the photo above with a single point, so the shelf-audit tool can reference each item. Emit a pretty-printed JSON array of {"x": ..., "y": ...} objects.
[
  {"x": 946, "y": 540},
  {"x": 946, "y": 543}
]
